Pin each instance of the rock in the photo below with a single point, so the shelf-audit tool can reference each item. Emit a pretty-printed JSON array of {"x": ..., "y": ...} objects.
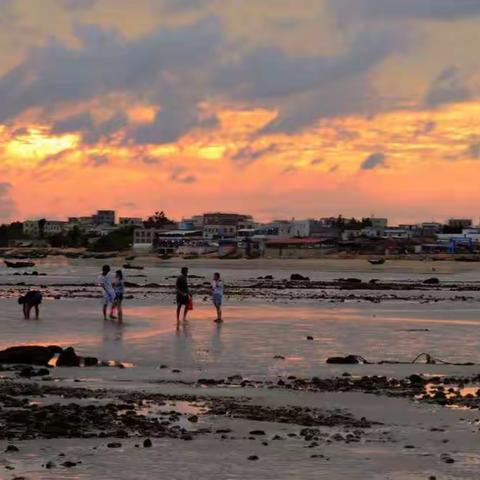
[
  {"x": 253, "y": 458},
  {"x": 147, "y": 443},
  {"x": 30, "y": 355},
  {"x": 257, "y": 432},
  {"x": 416, "y": 379},
  {"x": 28, "y": 372},
  {"x": 50, "y": 465},
  {"x": 90, "y": 361},
  {"x": 297, "y": 277},
  {"x": 68, "y": 358},
  {"x": 114, "y": 445},
  {"x": 193, "y": 419},
  {"x": 279, "y": 357},
  {"x": 445, "y": 457},
  {"x": 12, "y": 448},
  {"x": 309, "y": 337},
  {"x": 69, "y": 464},
  {"x": 348, "y": 360},
  {"x": 432, "y": 281}
]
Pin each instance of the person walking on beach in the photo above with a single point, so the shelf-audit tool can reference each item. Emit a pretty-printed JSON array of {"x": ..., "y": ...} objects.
[
  {"x": 104, "y": 281},
  {"x": 183, "y": 294},
  {"x": 119, "y": 288},
  {"x": 31, "y": 299},
  {"x": 217, "y": 295}
]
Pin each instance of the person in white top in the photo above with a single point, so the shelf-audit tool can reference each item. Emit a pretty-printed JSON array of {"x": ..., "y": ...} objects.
[
  {"x": 217, "y": 295},
  {"x": 105, "y": 282}
]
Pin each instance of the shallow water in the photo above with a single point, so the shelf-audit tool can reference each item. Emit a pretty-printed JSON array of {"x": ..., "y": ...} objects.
[{"x": 252, "y": 335}]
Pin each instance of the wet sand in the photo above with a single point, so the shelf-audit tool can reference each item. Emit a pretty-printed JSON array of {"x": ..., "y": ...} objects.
[{"x": 254, "y": 374}]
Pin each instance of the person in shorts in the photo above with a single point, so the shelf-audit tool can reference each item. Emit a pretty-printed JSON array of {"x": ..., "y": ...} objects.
[
  {"x": 31, "y": 299},
  {"x": 217, "y": 295},
  {"x": 105, "y": 282},
  {"x": 183, "y": 294}
]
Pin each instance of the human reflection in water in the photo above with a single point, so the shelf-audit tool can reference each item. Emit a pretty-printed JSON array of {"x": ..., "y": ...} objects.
[
  {"x": 112, "y": 342},
  {"x": 217, "y": 344},
  {"x": 184, "y": 354}
]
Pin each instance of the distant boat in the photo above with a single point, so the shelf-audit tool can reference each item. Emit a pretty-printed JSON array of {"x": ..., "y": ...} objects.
[
  {"x": 19, "y": 264},
  {"x": 127, "y": 266},
  {"x": 376, "y": 261}
]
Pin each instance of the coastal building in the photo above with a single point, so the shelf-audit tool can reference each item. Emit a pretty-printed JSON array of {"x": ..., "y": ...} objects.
[
  {"x": 313, "y": 228},
  {"x": 298, "y": 247},
  {"x": 398, "y": 233},
  {"x": 192, "y": 223},
  {"x": 130, "y": 221},
  {"x": 378, "y": 223},
  {"x": 275, "y": 229},
  {"x": 225, "y": 225},
  {"x": 53, "y": 227},
  {"x": 104, "y": 217},
  {"x": 460, "y": 222},
  {"x": 143, "y": 238},
  {"x": 31, "y": 228},
  {"x": 46, "y": 228}
]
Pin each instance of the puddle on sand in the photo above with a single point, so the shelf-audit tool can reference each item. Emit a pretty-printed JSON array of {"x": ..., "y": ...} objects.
[
  {"x": 455, "y": 396},
  {"x": 181, "y": 410}
]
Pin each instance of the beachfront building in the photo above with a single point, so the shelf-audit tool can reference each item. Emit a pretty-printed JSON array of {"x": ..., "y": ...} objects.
[
  {"x": 43, "y": 228},
  {"x": 31, "y": 228},
  {"x": 143, "y": 238},
  {"x": 275, "y": 229},
  {"x": 130, "y": 221},
  {"x": 398, "y": 233},
  {"x": 192, "y": 223},
  {"x": 186, "y": 242},
  {"x": 104, "y": 217},
  {"x": 298, "y": 247},
  {"x": 225, "y": 225},
  {"x": 53, "y": 227},
  {"x": 460, "y": 223}
]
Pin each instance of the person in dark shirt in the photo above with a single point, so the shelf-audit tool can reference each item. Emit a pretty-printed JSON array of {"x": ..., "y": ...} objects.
[
  {"x": 183, "y": 294},
  {"x": 31, "y": 299}
]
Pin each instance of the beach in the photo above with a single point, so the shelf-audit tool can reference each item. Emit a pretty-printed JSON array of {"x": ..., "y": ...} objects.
[{"x": 254, "y": 397}]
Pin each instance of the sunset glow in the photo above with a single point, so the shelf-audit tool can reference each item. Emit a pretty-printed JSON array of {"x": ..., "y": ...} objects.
[{"x": 280, "y": 110}]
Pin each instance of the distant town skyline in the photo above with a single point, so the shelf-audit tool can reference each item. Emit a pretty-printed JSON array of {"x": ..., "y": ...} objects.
[{"x": 276, "y": 108}]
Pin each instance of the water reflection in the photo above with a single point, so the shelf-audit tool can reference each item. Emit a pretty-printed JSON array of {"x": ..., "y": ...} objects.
[
  {"x": 217, "y": 343},
  {"x": 112, "y": 341}
]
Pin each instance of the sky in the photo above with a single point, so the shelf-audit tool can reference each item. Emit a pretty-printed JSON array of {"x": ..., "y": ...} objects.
[{"x": 278, "y": 108}]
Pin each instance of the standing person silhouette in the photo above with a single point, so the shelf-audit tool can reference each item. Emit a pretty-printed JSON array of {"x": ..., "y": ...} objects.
[
  {"x": 183, "y": 294},
  {"x": 105, "y": 282},
  {"x": 217, "y": 295}
]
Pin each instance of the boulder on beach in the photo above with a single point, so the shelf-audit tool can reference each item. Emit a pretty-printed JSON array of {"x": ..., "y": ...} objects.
[
  {"x": 29, "y": 354},
  {"x": 432, "y": 281},
  {"x": 348, "y": 360},
  {"x": 68, "y": 358},
  {"x": 298, "y": 277}
]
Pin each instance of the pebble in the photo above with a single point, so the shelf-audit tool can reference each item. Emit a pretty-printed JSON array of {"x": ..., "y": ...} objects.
[
  {"x": 253, "y": 457},
  {"x": 147, "y": 443}
]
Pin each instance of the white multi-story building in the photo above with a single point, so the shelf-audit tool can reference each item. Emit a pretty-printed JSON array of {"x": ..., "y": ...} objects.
[{"x": 53, "y": 227}]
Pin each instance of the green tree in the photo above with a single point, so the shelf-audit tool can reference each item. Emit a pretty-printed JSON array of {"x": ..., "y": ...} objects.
[
  {"x": 159, "y": 220},
  {"x": 121, "y": 239}
]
